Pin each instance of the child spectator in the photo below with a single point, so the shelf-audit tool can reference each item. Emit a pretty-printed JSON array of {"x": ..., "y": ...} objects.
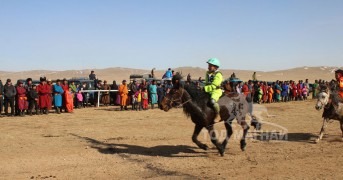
[
  {"x": 145, "y": 99},
  {"x": 79, "y": 98},
  {"x": 138, "y": 99}
]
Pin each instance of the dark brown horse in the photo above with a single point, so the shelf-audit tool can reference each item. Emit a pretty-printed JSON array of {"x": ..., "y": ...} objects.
[{"x": 195, "y": 104}]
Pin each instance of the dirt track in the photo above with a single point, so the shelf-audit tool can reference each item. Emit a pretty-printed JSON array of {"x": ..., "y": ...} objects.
[{"x": 100, "y": 143}]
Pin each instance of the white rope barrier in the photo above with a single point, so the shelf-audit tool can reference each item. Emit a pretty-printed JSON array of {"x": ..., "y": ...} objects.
[{"x": 99, "y": 91}]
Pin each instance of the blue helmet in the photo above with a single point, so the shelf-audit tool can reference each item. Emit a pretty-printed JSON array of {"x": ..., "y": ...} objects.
[{"x": 214, "y": 61}]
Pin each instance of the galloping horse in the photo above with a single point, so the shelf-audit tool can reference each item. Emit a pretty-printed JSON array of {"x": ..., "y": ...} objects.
[
  {"x": 331, "y": 111},
  {"x": 195, "y": 103}
]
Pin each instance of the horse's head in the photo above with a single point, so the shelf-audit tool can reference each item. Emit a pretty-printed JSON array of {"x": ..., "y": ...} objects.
[
  {"x": 177, "y": 96},
  {"x": 323, "y": 99}
]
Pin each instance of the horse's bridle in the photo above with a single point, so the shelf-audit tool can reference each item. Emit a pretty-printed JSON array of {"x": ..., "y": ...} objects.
[{"x": 178, "y": 100}]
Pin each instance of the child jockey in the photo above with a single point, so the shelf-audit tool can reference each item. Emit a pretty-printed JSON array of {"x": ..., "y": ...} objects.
[{"x": 213, "y": 82}]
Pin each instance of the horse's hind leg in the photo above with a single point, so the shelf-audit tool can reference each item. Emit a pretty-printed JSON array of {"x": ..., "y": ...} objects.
[
  {"x": 341, "y": 124},
  {"x": 255, "y": 123},
  {"x": 322, "y": 130},
  {"x": 228, "y": 126},
  {"x": 196, "y": 132},
  {"x": 246, "y": 128},
  {"x": 214, "y": 140}
]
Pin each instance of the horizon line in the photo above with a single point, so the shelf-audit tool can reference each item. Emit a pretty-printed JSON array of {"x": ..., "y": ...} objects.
[{"x": 1, "y": 71}]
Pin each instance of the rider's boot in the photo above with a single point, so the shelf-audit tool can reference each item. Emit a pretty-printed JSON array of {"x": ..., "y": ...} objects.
[{"x": 216, "y": 107}]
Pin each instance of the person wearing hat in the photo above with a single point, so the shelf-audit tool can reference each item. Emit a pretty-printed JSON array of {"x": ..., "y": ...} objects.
[
  {"x": 32, "y": 97},
  {"x": 123, "y": 92},
  {"x": 213, "y": 80},
  {"x": 28, "y": 87},
  {"x": 44, "y": 96},
  {"x": 57, "y": 95},
  {"x": 22, "y": 103},
  {"x": 9, "y": 95},
  {"x": 28, "y": 84}
]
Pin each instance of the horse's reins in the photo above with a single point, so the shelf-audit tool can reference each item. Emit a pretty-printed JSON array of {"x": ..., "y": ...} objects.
[
  {"x": 179, "y": 100},
  {"x": 184, "y": 103}
]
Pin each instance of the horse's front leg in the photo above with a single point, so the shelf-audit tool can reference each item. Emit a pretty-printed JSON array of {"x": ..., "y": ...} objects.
[
  {"x": 214, "y": 140},
  {"x": 341, "y": 123},
  {"x": 196, "y": 132},
  {"x": 322, "y": 130},
  {"x": 246, "y": 128}
]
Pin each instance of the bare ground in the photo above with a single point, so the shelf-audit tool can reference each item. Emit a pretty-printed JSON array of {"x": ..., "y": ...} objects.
[{"x": 103, "y": 143}]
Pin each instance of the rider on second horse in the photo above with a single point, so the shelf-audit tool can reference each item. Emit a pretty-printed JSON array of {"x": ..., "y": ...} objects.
[
  {"x": 339, "y": 78},
  {"x": 213, "y": 81}
]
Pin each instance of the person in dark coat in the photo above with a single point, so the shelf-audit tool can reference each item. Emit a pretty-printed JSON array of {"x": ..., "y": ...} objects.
[
  {"x": 160, "y": 93},
  {"x": 133, "y": 90},
  {"x": 32, "y": 97},
  {"x": 9, "y": 95},
  {"x": 113, "y": 95},
  {"x": 92, "y": 76},
  {"x": 28, "y": 87}
]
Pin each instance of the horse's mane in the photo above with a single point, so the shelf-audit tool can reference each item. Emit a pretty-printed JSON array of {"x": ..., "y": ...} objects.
[{"x": 198, "y": 96}]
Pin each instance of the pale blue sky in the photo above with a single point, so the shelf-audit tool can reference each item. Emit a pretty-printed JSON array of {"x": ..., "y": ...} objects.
[{"x": 251, "y": 34}]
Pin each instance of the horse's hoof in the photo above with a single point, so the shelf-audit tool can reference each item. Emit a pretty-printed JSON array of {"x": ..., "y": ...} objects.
[
  {"x": 221, "y": 151},
  {"x": 317, "y": 141},
  {"x": 258, "y": 126},
  {"x": 243, "y": 145},
  {"x": 222, "y": 154},
  {"x": 204, "y": 147}
]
